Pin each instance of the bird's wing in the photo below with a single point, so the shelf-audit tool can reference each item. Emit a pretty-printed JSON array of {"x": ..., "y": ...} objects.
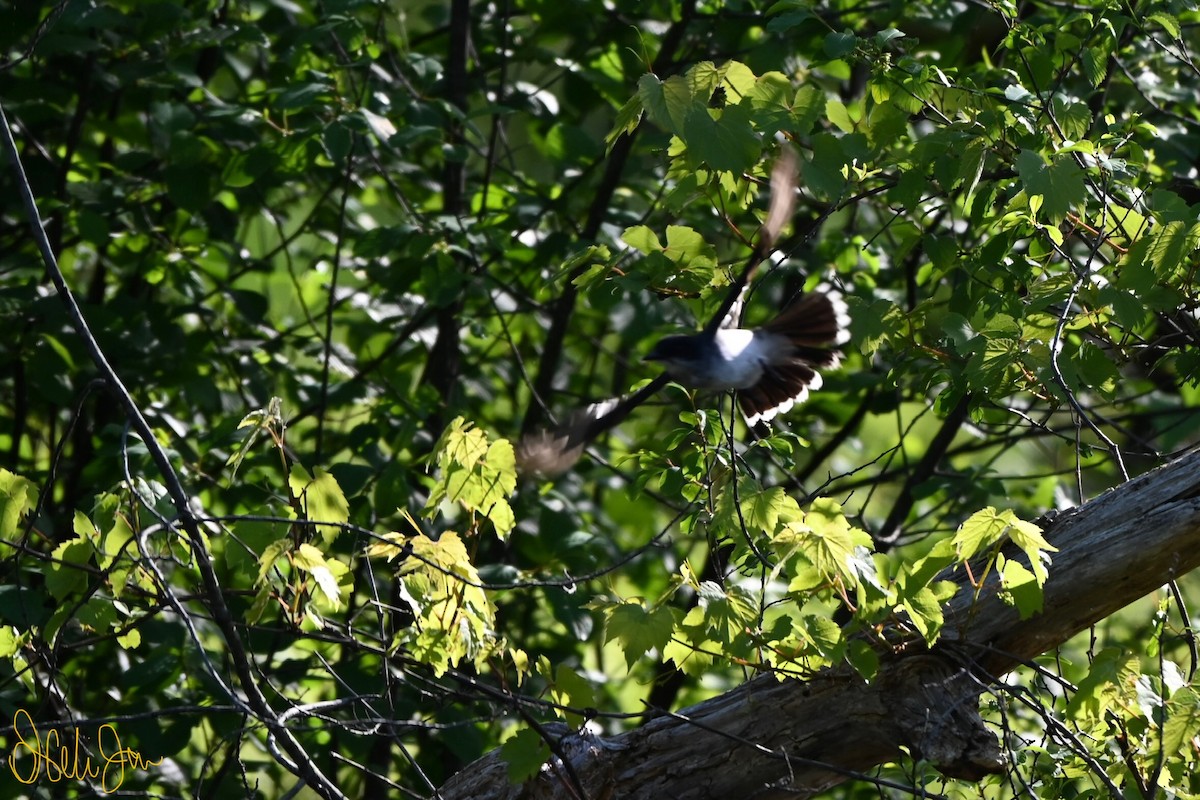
[
  {"x": 733, "y": 317},
  {"x": 549, "y": 452},
  {"x": 779, "y": 211}
]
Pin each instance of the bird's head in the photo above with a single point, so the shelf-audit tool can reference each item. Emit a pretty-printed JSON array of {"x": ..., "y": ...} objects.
[{"x": 676, "y": 350}]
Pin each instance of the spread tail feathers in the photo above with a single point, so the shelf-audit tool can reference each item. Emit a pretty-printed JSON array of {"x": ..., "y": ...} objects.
[{"x": 809, "y": 330}]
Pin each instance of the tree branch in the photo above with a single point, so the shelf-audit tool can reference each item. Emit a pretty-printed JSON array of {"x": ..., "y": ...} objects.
[
  {"x": 772, "y": 739},
  {"x": 301, "y": 763}
]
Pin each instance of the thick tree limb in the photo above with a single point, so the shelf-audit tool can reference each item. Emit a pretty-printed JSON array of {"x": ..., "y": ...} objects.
[{"x": 791, "y": 739}]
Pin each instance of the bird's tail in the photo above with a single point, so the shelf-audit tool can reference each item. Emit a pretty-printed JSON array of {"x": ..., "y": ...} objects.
[{"x": 809, "y": 332}]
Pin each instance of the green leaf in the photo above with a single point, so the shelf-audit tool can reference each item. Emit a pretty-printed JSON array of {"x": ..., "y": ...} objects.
[
  {"x": 835, "y": 111},
  {"x": 626, "y": 121},
  {"x": 573, "y": 690},
  {"x": 271, "y": 553},
  {"x": 863, "y": 658},
  {"x": 824, "y": 635},
  {"x": 762, "y": 510},
  {"x": 925, "y": 613},
  {"x": 11, "y": 641},
  {"x": 260, "y": 421},
  {"x": 97, "y": 615},
  {"x": 67, "y": 574},
  {"x": 338, "y": 141},
  {"x": 703, "y": 78},
  {"x": 312, "y": 561},
  {"x": 924, "y": 570},
  {"x": 693, "y": 658},
  {"x": 322, "y": 500},
  {"x": 839, "y": 45},
  {"x": 117, "y": 541},
  {"x": 727, "y": 143},
  {"x": 1168, "y": 23},
  {"x": 476, "y": 474},
  {"x": 524, "y": 752},
  {"x": 461, "y": 443},
  {"x": 482, "y": 486},
  {"x": 687, "y": 248},
  {"x": 924, "y": 607},
  {"x": 908, "y": 190},
  {"x": 822, "y": 172},
  {"x": 1020, "y": 587},
  {"x": 668, "y": 103},
  {"x": 888, "y": 123},
  {"x": 393, "y": 546},
  {"x": 1101, "y": 689},
  {"x": 828, "y": 540},
  {"x": 1171, "y": 247},
  {"x": 592, "y": 254},
  {"x": 1095, "y": 63},
  {"x": 942, "y": 250},
  {"x": 771, "y": 97},
  {"x": 1183, "y": 723},
  {"x": 807, "y": 109},
  {"x": 722, "y": 612},
  {"x": 890, "y": 34},
  {"x": 988, "y": 527},
  {"x": 302, "y": 95},
  {"x": 445, "y": 554},
  {"x": 1028, "y": 537},
  {"x": 641, "y": 238},
  {"x": 971, "y": 166},
  {"x": 980, "y": 531},
  {"x": 500, "y": 466},
  {"x": 456, "y": 617},
  {"x": 1060, "y": 184},
  {"x": 785, "y": 21},
  {"x": 501, "y": 515},
  {"x": 738, "y": 78},
  {"x": 1073, "y": 117},
  {"x": 17, "y": 498},
  {"x": 639, "y": 631}
]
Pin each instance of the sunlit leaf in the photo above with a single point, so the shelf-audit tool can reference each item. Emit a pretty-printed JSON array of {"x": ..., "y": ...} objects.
[{"x": 639, "y": 630}]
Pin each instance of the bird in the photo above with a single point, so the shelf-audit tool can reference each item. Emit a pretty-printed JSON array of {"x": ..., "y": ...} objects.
[{"x": 770, "y": 368}]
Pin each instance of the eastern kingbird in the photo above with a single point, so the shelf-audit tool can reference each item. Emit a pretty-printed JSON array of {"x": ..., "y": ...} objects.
[{"x": 771, "y": 368}]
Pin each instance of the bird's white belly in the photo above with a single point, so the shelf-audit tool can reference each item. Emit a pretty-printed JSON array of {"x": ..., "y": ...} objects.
[{"x": 742, "y": 356}]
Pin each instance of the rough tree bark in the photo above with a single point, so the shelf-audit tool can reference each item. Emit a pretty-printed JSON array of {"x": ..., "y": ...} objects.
[{"x": 792, "y": 739}]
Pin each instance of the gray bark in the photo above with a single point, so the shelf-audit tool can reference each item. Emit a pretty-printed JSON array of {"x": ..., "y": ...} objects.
[{"x": 769, "y": 740}]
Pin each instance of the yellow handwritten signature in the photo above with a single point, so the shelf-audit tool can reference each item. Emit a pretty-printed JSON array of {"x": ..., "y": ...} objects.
[{"x": 61, "y": 762}]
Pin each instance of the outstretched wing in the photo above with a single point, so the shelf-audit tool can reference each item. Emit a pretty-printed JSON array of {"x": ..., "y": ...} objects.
[
  {"x": 782, "y": 206},
  {"x": 549, "y": 452}
]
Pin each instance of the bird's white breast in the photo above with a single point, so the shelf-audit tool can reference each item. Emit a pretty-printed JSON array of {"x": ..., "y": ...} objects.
[{"x": 743, "y": 355}]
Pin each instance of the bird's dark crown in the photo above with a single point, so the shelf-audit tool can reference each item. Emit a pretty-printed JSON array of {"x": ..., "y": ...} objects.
[{"x": 676, "y": 348}]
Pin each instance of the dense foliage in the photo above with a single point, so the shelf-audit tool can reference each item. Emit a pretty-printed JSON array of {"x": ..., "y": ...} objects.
[{"x": 344, "y": 254}]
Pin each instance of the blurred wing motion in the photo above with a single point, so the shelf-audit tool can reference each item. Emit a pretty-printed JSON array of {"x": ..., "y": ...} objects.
[
  {"x": 801, "y": 340},
  {"x": 549, "y": 452},
  {"x": 782, "y": 206}
]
